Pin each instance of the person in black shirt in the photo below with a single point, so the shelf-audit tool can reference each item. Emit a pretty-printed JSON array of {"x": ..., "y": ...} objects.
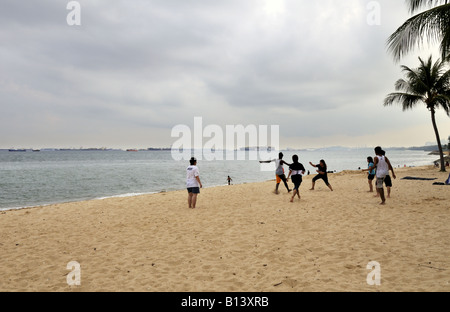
[
  {"x": 296, "y": 171},
  {"x": 322, "y": 174}
]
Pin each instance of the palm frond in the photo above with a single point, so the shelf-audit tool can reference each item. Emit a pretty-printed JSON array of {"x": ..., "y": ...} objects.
[
  {"x": 406, "y": 100},
  {"x": 417, "y": 78},
  {"x": 432, "y": 25},
  {"x": 415, "y": 5},
  {"x": 402, "y": 85}
]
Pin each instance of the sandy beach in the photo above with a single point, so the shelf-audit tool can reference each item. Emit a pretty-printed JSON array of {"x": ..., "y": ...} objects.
[{"x": 240, "y": 238}]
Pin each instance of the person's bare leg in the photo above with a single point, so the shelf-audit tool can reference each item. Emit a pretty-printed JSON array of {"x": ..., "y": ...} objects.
[
  {"x": 388, "y": 191},
  {"x": 287, "y": 186},
  {"x": 312, "y": 187},
  {"x": 276, "y": 188},
  {"x": 370, "y": 186},
  {"x": 293, "y": 195},
  {"x": 383, "y": 199},
  {"x": 329, "y": 186},
  {"x": 190, "y": 200},
  {"x": 378, "y": 193},
  {"x": 194, "y": 200}
]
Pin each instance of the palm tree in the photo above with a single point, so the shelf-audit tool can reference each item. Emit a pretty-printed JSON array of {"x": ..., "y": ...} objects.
[
  {"x": 428, "y": 84},
  {"x": 432, "y": 24}
]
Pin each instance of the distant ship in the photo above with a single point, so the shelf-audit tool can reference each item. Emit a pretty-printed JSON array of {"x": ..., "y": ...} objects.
[
  {"x": 132, "y": 150},
  {"x": 17, "y": 150}
]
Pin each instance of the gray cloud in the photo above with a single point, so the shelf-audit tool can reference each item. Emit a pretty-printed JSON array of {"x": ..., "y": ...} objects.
[{"x": 133, "y": 66}]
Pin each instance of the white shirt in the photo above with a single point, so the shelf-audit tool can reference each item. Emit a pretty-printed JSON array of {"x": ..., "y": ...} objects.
[
  {"x": 279, "y": 167},
  {"x": 191, "y": 174},
  {"x": 382, "y": 167}
]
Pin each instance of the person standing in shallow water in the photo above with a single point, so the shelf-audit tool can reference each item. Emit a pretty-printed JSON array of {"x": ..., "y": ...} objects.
[
  {"x": 321, "y": 174},
  {"x": 296, "y": 171}
]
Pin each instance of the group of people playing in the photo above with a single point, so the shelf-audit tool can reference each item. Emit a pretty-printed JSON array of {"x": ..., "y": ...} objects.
[
  {"x": 296, "y": 172},
  {"x": 378, "y": 168}
]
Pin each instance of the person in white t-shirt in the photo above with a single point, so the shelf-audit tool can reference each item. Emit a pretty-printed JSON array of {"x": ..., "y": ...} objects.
[
  {"x": 383, "y": 165},
  {"x": 279, "y": 172},
  {"x": 193, "y": 183}
]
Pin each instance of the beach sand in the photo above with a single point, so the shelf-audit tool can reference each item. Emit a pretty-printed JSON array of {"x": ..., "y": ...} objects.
[{"x": 240, "y": 238}]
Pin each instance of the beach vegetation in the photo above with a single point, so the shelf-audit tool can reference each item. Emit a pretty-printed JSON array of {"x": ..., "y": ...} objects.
[
  {"x": 429, "y": 26},
  {"x": 429, "y": 84}
]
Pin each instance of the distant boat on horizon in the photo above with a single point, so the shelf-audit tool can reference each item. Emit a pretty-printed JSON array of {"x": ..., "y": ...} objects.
[
  {"x": 132, "y": 150},
  {"x": 17, "y": 150}
]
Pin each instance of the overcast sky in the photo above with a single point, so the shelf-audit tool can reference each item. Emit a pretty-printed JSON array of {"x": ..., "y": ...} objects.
[{"x": 133, "y": 70}]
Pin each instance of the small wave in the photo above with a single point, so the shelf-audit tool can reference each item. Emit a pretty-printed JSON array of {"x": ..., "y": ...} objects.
[
  {"x": 24, "y": 207},
  {"x": 124, "y": 195}
]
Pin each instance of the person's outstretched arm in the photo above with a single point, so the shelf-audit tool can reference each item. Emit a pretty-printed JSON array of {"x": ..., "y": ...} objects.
[
  {"x": 266, "y": 161},
  {"x": 391, "y": 168}
]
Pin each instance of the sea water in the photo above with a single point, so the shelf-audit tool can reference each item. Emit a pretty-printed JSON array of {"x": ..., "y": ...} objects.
[{"x": 30, "y": 179}]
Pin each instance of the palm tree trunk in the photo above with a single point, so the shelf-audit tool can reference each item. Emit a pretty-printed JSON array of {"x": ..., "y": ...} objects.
[{"x": 441, "y": 153}]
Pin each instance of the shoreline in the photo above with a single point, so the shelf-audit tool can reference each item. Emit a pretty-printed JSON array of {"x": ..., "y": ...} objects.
[
  {"x": 240, "y": 238},
  {"x": 125, "y": 195}
]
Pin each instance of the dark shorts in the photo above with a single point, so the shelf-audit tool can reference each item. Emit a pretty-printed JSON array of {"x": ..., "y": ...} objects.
[
  {"x": 388, "y": 181},
  {"x": 324, "y": 177},
  {"x": 371, "y": 177},
  {"x": 297, "y": 180},
  {"x": 193, "y": 190}
]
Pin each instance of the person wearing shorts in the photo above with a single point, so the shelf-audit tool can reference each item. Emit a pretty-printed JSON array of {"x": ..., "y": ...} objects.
[
  {"x": 279, "y": 172},
  {"x": 383, "y": 166},
  {"x": 296, "y": 171},
  {"x": 371, "y": 172},
  {"x": 193, "y": 183},
  {"x": 321, "y": 174},
  {"x": 388, "y": 183},
  {"x": 387, "y": 179}
]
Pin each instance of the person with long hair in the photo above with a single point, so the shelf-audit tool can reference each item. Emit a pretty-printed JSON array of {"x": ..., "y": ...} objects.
[
  {"x": 371, "y": 172},
  {"x": 321, "y": 174}
]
